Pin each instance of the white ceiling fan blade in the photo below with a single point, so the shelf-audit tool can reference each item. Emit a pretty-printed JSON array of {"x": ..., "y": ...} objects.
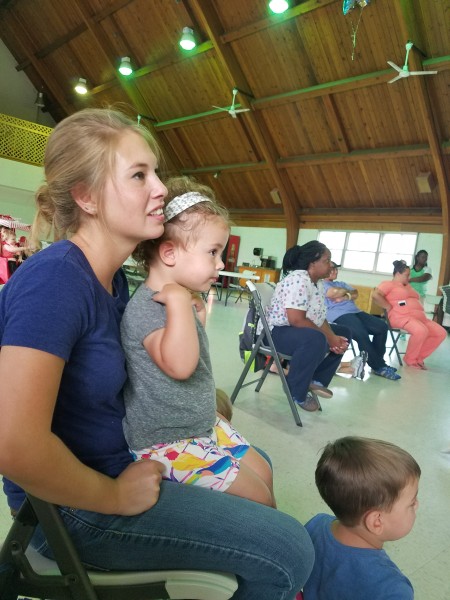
[
  {"x": 423, "y": 72},
  {"x": 221, "y": 108},
  {"x": 238, "y": 110},
  {"x": 395, "y": 78},
  {"x": 394, "y": 66}
]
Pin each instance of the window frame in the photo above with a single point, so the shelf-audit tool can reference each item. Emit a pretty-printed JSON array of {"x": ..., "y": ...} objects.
[{"x": 382, "y": 234}]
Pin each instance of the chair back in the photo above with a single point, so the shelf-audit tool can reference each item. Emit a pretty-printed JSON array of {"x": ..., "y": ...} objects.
[
  {"x": 265, "y": 291},
  {"x": 445, "y": 289},
  {"x": 246, "y": 273},
  {"x": 261, "y": 295}
]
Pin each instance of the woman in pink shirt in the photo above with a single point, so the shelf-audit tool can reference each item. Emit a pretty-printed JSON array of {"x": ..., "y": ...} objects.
[{"x": 405, "y": 311}]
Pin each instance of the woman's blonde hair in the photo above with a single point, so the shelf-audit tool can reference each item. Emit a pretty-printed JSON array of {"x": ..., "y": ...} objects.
[
  {"x": 182, "y": 228},
  {"x": 81, "y": 149}
]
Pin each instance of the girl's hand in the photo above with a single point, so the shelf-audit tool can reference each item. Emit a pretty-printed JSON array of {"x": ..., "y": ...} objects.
[
  {"x": 200, "y": 307},
  {"x": 172, "y": 293},
  {"x": 138, "y": 487}
]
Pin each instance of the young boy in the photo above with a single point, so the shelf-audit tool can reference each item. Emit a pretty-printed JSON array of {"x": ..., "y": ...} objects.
[{"x": 371, "y": 486}]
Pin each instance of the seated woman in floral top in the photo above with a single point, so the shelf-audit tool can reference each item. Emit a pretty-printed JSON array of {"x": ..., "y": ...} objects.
[{"x": 297, "y": 319}]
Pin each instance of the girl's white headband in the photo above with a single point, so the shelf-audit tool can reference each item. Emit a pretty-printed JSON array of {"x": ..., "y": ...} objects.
[{"x": 180, "y": 203}]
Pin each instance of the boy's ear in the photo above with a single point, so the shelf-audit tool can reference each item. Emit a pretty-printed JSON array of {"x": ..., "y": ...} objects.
[
  {"x": 167, "y": 253},
  {"x": 373, "y": 521},
  {"x": 83, "y": 197}
]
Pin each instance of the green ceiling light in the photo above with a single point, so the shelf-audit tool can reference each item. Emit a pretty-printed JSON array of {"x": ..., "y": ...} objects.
[
  {"x": 81, "y": 86},
  {"x": 278, "y": 6},
  {"x": 187, "y": 41},
  {"x": 125, "y": 66}
]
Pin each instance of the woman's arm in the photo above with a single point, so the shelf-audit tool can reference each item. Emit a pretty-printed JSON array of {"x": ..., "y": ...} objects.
[
  {"x": 380, "y": 299},
  {"x": 298, "y": 318},
  {"x": 38, "y": 461},
  {"x": 175, "y": 348},
  {"x": 424, "y": 277},
  {"x": 339, "y": 294}
]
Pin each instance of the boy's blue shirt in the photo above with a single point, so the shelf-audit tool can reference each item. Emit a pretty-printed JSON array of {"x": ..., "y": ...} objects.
[{"x": 346, "y": 573}]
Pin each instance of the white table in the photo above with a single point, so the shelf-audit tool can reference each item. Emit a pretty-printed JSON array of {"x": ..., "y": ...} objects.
[{"x": 235, "y": 275}]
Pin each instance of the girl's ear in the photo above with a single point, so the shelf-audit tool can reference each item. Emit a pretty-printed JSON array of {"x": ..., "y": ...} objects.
[
  {"x": 83, "y": 197},
  {"x": 167, "y": 253}
]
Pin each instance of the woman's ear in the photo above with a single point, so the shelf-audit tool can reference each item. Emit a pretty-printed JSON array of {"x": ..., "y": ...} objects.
[
  {"x": 83, "y": 198},
  {"x": 167, "y": 253}
]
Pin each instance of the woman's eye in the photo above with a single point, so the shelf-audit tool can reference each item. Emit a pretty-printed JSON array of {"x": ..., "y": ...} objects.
[{"x": 139, "y": 175}]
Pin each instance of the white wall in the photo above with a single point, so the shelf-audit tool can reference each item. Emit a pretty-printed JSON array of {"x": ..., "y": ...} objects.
[
  {"x": 272, "y": 241},
  {"x": 17, "y": 94},
  {"x": 18, "y": 184}
]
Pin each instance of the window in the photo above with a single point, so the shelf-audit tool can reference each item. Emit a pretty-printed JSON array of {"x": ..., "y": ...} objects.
[{"x": 369, "y": 251}]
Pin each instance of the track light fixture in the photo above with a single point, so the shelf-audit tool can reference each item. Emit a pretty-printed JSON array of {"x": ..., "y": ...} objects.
[
  {"x": 39, "y": 102},
  {"x": 187, "y": 41},
  {"x": 125, "y": 66},
  {"x": 278, "y": 6},
  {"x": 81, "y": 86}
]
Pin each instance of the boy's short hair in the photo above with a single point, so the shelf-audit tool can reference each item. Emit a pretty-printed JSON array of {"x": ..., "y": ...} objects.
[{"x": 355, "y": 475}]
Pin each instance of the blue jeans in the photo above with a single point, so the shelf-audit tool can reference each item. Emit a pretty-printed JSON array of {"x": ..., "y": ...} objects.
[
  {"x": 311, "y": 356},
  {"x": 361, "y": 324},
  {"x": 270, "y": 553}
]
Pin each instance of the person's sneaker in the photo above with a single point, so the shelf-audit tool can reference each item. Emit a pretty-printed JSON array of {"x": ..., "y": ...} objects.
[
  {"x": 311, "y": 402},
  {"x": 359, "y": 365},
  {"x": 387, "y": 372},
  {"x": 320, "y": 390}
]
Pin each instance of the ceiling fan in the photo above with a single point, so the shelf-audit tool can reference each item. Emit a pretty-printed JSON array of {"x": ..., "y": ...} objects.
[
  {"x": 404, "y": 71},
  {"x": 232, "y": 110}
]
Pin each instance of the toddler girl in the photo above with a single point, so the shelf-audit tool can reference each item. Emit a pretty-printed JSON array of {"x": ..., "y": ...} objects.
[{"x": 170, "y": 397}]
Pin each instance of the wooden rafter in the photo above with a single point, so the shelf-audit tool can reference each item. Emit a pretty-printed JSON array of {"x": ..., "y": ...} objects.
[
  {"x": 233, "y": 73},
  {"x": 405, "y": 13}
]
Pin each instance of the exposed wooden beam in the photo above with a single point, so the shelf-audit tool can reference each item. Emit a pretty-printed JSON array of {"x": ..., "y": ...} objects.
[
  {"x": 323, "y": 89},
  {"x": 335, "y": 123},
  {"x": 104, "y": 46},
  {"x": 405, "y": 11},
  {"x": 43, "y": 72},
  {"x": 231, "y": 168},
  {"x": 354, "y": 156},
  {"x": 73, "y": 33},
  {"x": 208, "y": 18},
  {"x": 270, "y": 21},
  {"x": 172, "y": 59}
]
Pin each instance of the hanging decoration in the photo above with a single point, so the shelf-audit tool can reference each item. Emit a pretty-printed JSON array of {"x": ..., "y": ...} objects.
[
  {"x": 13, "y": 223},
  {"x": 348, "y": 6}
]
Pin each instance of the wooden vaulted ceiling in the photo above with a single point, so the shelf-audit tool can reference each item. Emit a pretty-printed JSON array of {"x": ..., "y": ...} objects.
[{"x": 327, "y": 135}]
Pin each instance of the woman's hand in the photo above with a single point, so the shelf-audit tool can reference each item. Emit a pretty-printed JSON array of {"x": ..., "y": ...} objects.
[
  {"x": 338, "y": 344},
  {"x": 138, "y": 487}
]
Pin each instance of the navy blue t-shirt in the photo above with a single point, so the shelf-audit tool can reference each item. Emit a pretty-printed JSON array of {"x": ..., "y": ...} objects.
[{"x": 55, "y": 303}]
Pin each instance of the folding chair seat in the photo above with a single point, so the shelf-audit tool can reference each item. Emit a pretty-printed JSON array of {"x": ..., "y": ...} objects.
[
  {"x": 24, "y": 572},
  {"x": 261, "y": 295},
  {"x": 395, "y": 333}
]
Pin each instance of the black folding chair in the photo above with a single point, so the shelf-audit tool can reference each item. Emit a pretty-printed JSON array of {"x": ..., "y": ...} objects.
[
  {"x": 261, "y": 295},
  {"x": 395, "y": 333},
  {"x": 24, "y": 572}
]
